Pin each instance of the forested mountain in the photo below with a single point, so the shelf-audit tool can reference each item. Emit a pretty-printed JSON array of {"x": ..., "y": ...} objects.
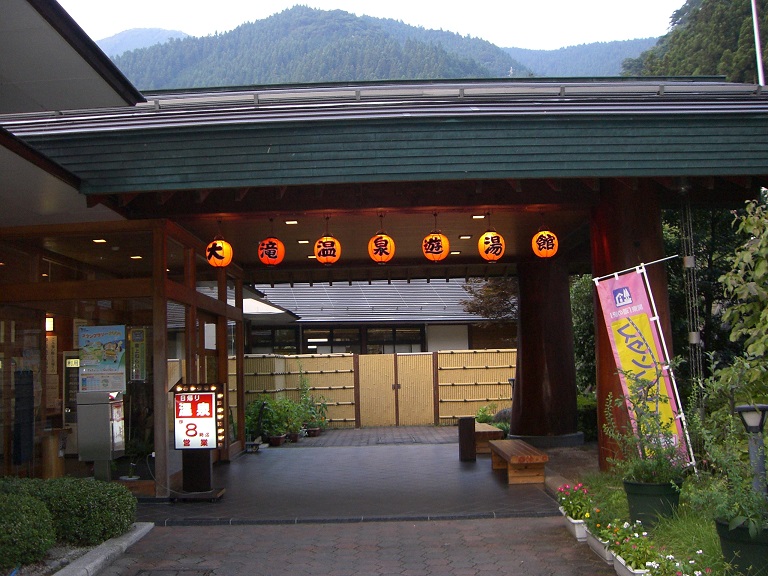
[
  {"x": 302, "y": 45},
  {"x": 708, "y": 37},
  {"x": 136, "y": 38},
  {"x": 586, "y": 60},
  {"x": 307, "y": 45}
]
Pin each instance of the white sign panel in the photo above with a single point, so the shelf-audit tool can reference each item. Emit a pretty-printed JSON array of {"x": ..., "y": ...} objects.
[{"x": 195, "y": 420}]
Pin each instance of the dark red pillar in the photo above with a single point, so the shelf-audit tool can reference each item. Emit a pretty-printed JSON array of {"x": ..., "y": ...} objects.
[
  {"x": 544, "y": 403},
  {"x": 626, "y": 231}
]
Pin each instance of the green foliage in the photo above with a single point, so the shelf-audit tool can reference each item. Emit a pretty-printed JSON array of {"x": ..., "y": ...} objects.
[
  {"x": 484, "y": 414},
  {"x": 586, "y": 416},
  {"x": 494, "y": 298},
  {"x": 575, "y": 500},
  {"x": 708, "y": 38},
  {"x": 747, "y": 285},
  {"x": 315, "y": 410},
  {"x": 26, "y": 530},
  {"x": 582, "y": 292},
  {"x": 274, "y": 419},
  {"x": 647, "y": 450},
  {"x": 87, "y": 512},
  {"x": 503, "y": 426},
  {"x": 304, "y": 45}
]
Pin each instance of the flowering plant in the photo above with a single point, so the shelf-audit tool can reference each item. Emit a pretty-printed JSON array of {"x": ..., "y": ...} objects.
[
  {"x": 575, "y": 500},
  {"x": 668, "y": 565},
  {"x": 634, "y": 546},
  {"x": 601, "y": 525}
]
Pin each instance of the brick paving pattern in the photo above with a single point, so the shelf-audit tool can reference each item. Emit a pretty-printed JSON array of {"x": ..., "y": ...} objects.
[{"x": 378, "y": 501}]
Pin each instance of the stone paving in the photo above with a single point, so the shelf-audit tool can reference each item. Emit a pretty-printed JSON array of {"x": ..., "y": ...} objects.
[{"x": 363, "y": 502}]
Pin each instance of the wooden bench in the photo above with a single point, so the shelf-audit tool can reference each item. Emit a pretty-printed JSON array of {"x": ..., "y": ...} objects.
[
  {"x": 483, "y": 434},
  {"x": 523, "y": 462}
]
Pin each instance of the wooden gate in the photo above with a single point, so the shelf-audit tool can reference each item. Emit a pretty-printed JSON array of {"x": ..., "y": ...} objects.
[{"x": 396, "y": 390}]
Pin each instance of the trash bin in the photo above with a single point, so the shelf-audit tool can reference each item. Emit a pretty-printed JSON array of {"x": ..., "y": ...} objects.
[{"x": 467, "y": 450}]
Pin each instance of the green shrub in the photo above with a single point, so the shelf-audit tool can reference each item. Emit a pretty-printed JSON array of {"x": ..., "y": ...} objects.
[
  {"x": 26, "y": 530},
  {"x": 485, "y": 414},
  {"x": 87, "y": 512},
  {"x": 586, "y": 416}
]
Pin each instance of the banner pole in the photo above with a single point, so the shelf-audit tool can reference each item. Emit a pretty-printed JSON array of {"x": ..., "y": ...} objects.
[{"x": 635, "y": 268}]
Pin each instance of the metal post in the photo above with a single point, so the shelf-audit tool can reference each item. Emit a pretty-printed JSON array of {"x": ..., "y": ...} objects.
[{"x": 758, "y": 49}]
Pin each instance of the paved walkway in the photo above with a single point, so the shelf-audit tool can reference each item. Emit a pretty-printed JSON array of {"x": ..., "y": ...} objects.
[{"x": 372, "y": 501}]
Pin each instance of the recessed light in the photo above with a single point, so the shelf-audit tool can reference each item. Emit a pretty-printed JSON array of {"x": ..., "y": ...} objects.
[
  {"x": 312, "y": 257},
  {"x": 136, "y": 257},
  {"x": 317, "y": 339},
  {"x": 455, "y": 252},
  {"x": 99, "y": 241},
  {"x": 465, "y": 237},
  {"x": 478, "y": 216},
  {"x": 303, "y": 241},
  {"x": 291, "y": 222}
]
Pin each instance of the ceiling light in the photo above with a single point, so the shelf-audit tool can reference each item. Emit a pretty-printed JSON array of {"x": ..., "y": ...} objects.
[
  {"x": 478, "y": 216},
  {"x": 455, "y": 252},
  {"x": 99, "y": 241},
  {"x": 312, "y": 257},
  {"x": 317, "y": 339},
  {"x": 303, "y": 241},
  {"x": 136, "y": 257},
  {"x": 464, "y": 236},
  {"x": 291, "y": 222}
]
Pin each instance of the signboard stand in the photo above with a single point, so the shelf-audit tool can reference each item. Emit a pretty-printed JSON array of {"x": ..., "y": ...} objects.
[{"x": 196, "y": 434}]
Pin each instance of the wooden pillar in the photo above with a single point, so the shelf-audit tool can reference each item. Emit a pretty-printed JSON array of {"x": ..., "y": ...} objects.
[
  {"x": 626, "y": 231},
  {"x": 544, "y": 402}
]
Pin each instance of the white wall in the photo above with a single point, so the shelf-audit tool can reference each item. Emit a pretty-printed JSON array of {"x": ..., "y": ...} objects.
[{"x": 447, "y": 337}]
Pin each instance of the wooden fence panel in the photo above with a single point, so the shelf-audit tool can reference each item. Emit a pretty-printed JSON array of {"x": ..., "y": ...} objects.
[
  {"x": 377, "y": 395},
  {"x": 415, "y": 398}
]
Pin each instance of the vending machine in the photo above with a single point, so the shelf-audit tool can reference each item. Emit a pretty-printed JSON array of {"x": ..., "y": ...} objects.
[{"x": 100, "y": 429}]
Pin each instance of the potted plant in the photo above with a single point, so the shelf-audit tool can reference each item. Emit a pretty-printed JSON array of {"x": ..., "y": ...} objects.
[
  {"x": 274, "y": 421},
  {"x": 294, "y": 414},
  {"x": 601, "y": 529},
  {"x": 575, "y": 504},
  {"x": 649, "y": 459}
]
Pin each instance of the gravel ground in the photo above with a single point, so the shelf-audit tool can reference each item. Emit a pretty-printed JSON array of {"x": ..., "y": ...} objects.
[{"x": 55, "y": 560}]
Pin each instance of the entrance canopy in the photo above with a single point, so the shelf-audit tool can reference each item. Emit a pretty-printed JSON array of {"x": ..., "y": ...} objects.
[{"x": 408, "y": 158}]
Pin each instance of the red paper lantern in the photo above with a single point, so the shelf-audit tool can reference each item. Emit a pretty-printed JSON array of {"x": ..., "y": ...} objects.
[
  {"x": 544, "y": 244},
  {"x": 435, "y": 246},
  {"x": 327, "y": 250},
  {"x": 218, "y": 253},
  {"x": 381, "y": 248},
  {"x": 491, "y": 246},
  {"x": 271, "y": 251}
]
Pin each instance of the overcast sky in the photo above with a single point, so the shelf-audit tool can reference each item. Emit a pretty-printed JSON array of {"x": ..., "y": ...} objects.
[{"x": 531, "y": 24}]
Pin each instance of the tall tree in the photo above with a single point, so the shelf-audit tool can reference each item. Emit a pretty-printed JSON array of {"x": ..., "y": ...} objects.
[{"x": 706, "y": 38}]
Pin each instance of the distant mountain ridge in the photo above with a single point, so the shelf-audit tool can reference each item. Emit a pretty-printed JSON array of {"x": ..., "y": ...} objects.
[
  {"x": 137, "y": 38},
  {"x": 305, "y": 45}
]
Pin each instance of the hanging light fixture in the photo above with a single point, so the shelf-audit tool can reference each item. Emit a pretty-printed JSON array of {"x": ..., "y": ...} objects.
[
  {"x": 327, "y": 248},
  {"x": 544, "y": 244},
  {"x": 218, "y": 253},
  {"x": 491, "y": 244},
  {"x": 435, "y": 245},
  {"x": 381, "y": 246},
  {"x": 271, "y": 250}
]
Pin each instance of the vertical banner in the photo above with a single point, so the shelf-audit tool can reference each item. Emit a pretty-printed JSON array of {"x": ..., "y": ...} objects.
[{"x": 637, "y": 342}]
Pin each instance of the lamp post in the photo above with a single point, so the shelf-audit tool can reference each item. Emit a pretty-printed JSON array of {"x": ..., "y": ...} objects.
[{"x": 753, "y": 417}]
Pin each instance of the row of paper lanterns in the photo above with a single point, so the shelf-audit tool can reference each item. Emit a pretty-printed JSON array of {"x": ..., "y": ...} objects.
[{"x": 381, "y": 248}]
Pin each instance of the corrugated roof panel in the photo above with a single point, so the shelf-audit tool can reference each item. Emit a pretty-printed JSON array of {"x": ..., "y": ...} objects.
[{"x": 400, "y": 301}]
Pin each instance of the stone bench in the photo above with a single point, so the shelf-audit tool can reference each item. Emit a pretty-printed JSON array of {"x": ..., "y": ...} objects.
[{"x": 524, "y": 463}]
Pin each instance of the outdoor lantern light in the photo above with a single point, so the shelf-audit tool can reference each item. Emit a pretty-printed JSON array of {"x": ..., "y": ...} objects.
[
  {"x": 491, "y": 246},
  {"x": 753, "y": 417},
  {"x": 327, "y": 250},
  {"x": 435, "y": 245},
  {"x": 218, "y": 253},
  {"x": 544, "y": 244},
  {"x": 271, "y": 251},
  {"x": 381, "y": 248}
]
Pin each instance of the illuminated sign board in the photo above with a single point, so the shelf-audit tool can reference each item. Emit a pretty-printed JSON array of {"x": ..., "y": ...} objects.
[{"x": 195, "y": 420}]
